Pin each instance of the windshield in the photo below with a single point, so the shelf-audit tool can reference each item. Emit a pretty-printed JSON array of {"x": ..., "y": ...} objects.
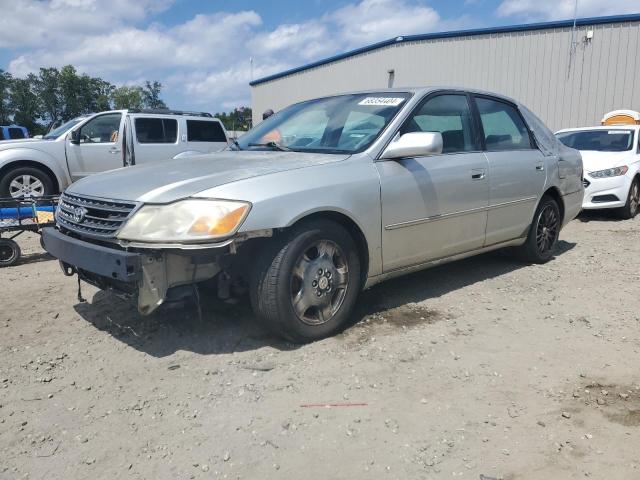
[
  {"x": 340, "y": 124},
  {"x": 56, "y": 132},
  {"x": 598, "y": 140}
]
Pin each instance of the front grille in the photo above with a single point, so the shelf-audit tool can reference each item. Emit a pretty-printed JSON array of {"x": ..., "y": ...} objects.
[
  {"x": 93, "y": 217},
  {"x": 604, "y": 199}
]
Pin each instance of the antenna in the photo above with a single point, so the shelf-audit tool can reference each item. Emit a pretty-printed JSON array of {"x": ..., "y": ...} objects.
[{"x": 574, "y": 44}]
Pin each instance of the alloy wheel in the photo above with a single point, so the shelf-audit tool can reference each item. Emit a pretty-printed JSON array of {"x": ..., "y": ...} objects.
[
  {"x": 634, "y": 198},
  {"x": 319, "y": 282},
  {"x": 547, "y": 229},
  {"x": 25, "y": 186}
]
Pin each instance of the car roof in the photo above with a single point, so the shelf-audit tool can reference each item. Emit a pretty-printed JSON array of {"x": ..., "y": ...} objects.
[{"x": 600, "y": 127}]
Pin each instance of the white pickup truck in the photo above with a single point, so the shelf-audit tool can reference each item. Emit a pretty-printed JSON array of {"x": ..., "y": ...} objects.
[{"x": 103, "y": 141}]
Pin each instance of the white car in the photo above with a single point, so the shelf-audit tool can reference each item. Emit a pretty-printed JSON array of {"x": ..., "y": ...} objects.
[
  {"x": 104, "y": 141},
  {"x": 611, "y": 159}
]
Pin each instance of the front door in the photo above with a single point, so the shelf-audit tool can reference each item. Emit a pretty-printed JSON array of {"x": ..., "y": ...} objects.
[
  {"x": 99, "y": 149},
  {"x": 435, "y": 206},
  {"x": 517, "y": 170}
]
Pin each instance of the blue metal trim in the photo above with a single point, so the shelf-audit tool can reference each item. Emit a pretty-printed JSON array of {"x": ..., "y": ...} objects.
[{"x": 634, "y": 17}]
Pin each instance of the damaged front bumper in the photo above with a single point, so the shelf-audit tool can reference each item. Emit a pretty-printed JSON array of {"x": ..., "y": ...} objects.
[{"x": 146, "y": 274}]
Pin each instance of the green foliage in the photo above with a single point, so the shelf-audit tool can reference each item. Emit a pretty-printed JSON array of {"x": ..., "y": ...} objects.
[
  {"x": 54, "y": 96},
  {"x": 238, "y": 119}
]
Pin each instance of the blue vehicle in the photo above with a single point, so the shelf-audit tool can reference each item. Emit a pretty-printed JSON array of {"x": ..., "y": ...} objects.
[{"x": 13, "y": 132}]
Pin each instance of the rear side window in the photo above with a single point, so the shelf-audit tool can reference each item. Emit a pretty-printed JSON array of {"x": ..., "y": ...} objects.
[
  {"x": 156, "y": 130},
  {"x": 503, "y": 126},
  {"x": 2, "y": 133},
  {"x": 16, "y": 133},
  {"x": 204, "y": 131}
]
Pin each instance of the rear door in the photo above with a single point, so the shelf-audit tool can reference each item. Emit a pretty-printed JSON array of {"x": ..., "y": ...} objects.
[
  {"x": 435, "y": 206},
  {"x": 517, "y": 169},
  {"x": 205, "y": 135},
  {"x": 99, "y": 149},
  {"x": 156, "y": 139}
]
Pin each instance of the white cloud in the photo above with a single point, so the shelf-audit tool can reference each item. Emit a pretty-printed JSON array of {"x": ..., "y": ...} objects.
[
  {"x": 564, "y": 9},
  {"x": 373, "y": 20},
  {"x": 204, "y": 61}
]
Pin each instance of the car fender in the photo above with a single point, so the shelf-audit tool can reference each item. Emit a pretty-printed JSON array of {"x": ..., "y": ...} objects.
[
  {"x": 58, "y": 167},
  {"x": 350, "y": 188}
]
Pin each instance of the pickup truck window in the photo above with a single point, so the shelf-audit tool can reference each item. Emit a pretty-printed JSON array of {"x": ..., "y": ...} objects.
[
  {"x": 205, "y": 131},
  {"x": 15, "y": 133},
  {"x": 156, "y": 130},
  {"x": 101, "y": 129}
]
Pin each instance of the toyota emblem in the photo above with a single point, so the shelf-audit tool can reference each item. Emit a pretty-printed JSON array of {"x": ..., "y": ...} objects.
[{"x": 78, "y": 214}]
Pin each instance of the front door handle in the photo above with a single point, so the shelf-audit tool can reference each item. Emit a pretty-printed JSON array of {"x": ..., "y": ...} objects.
[
  {"x": 540, "y": 167},
  {"x": 114, "y": 150},
  {"x": 477, "y": 174}
]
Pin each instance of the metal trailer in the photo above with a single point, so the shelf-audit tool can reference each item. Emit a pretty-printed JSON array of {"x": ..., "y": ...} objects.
[{"x": 19, "y": 215}]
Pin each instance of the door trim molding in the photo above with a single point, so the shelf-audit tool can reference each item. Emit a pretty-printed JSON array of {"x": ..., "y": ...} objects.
[{"x": 444, "y": 216}]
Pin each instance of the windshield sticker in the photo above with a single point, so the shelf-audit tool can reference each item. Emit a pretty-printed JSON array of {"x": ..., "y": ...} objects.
[
  {"x": 381, "y": 101},
  {"x": 618, "y": 132}
]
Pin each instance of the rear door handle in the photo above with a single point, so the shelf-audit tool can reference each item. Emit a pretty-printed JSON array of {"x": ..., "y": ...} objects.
[
  {"x": 540, "y": 167},
  {"x": 477, "y": 174}
]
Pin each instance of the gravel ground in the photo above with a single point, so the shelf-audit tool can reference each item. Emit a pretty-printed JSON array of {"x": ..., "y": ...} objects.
[{"x": 485, "y": 368}]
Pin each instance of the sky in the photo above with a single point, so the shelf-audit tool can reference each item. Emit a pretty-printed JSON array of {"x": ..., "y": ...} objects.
[{"x": 200, "y": 50}]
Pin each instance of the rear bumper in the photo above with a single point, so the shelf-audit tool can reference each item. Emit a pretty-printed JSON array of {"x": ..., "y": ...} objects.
[{"x": 107, "y": 262}]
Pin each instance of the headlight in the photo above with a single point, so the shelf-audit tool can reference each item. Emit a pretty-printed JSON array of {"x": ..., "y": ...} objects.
[
  {"x": 186, "y": 221},
  {"x": 610, "y": 172}
]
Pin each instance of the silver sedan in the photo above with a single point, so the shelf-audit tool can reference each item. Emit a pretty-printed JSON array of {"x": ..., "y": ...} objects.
[{"x": 322, "y": 199}]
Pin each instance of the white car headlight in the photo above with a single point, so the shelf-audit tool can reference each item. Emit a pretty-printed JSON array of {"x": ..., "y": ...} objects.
[
  {"x": 610, "y": 172},
  {"x": 185, "y": 221}
]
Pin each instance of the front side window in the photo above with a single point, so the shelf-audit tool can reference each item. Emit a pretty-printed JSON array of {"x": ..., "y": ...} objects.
[
  {"x": 156, "y": 130},
  {"x": 451, "y": 116},
  {"x": 614, "y": 140},
  {"x": 101, "y": 129},
  {"x": 340, "y": 124},
  {"x": 503, "y": 126},
  {"x": 205, "y": 131},
  {"x": 64, "y": 128}
]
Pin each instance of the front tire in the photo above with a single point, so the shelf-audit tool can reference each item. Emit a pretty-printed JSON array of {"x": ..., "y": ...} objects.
[
  {"x": 25, "y": 182},
  {"x": 306, "y": 282},
  {"x": 630, "y": 210},
  {"x": 543, "y": 233}
]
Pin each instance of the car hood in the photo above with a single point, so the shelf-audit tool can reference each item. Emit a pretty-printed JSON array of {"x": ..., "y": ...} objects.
[
  {"x": 7, "y": 144},
  {"x": 594, "y": 161},
  {"x": 183, "y": 177}
]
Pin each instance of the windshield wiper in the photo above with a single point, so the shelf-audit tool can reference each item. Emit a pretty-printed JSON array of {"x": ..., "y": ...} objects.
[{"x": 272, "y": 145}]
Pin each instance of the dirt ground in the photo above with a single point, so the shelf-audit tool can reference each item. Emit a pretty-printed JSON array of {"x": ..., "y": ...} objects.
[{"x": 481, "y": 369}]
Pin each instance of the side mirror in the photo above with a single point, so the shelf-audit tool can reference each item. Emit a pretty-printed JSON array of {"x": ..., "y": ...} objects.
[
  {"x": 414, "y": 144},
  {"x": 74, "y": 136}
]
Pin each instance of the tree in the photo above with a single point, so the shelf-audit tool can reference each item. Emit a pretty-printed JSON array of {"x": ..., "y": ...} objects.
[
  {"x": 151, "y": 95},
  {"x": 6, "y": 82},
  {"x": 238, "y": 119},
  {"x": 25, "y": 103},
  {"x": 127, "y": 97},
  {"x": 47, "y": 88}
]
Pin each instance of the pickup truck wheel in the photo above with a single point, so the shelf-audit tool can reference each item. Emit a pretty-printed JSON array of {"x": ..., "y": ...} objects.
[
  {"x": 9, "y": 252},
  {"x": 305, "y": 283},
  {"x": 543, "y": 233},
  {"x": 24, "y": 182}
]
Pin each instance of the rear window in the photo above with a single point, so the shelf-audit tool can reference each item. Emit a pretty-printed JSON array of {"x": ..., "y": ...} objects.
[
  {"x": 204, "y": 131},
  {"x": 156, "y": 130},
  {"x": 16, "y": 133},
  {"x": 598, "y": 140}
]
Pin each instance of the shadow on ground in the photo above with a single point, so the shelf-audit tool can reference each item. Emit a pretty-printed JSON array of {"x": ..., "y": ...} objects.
[
  {"x": 233, "y": 328},
  {"x": 605, "y": 215}
]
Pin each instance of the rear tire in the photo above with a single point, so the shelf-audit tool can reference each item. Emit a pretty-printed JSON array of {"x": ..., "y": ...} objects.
[
  {"x": 543, "y": 233},
  {"x": 9, "y": 252},
  {"x": 24, "y": 182},
  {"x": 630, "y": 210},
  {"x": 306, "y": 282}
]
